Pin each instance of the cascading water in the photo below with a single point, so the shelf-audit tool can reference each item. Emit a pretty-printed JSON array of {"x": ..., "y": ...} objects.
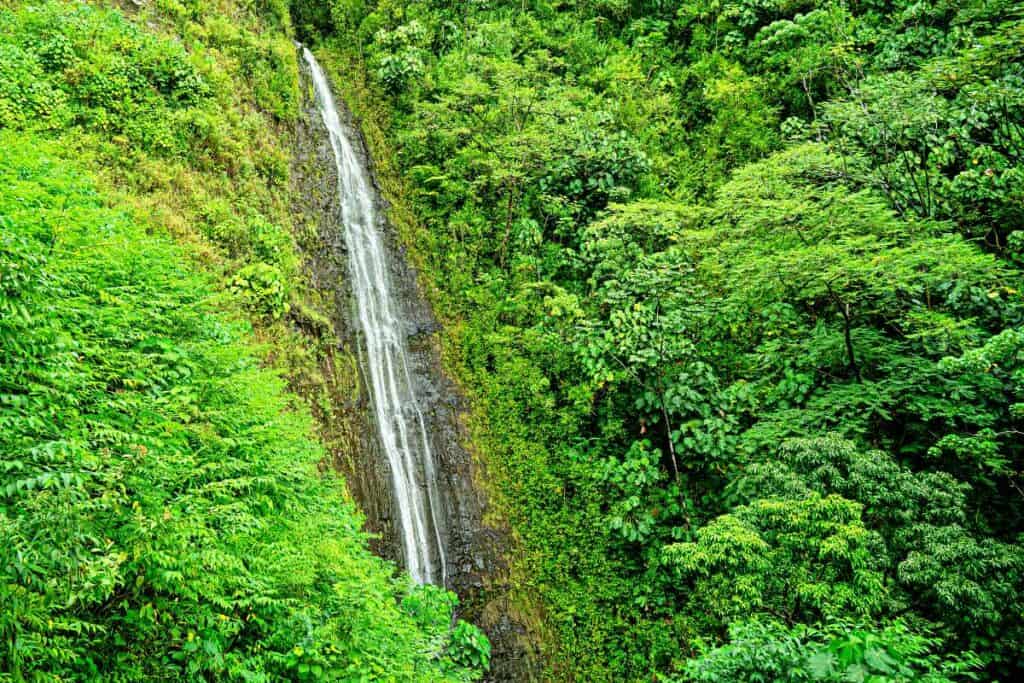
[{"x": 403, "y": 431}]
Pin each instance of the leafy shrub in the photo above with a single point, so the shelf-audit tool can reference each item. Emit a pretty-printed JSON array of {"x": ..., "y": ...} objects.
[
  {"x": 398, "y": 71},
  {"x": 759, "y": 651},
  {"x": 105, "y": 73},
  {"x": 470, "y": 647},
  {"x": 27, "y": 99},
  {"x": 262, "y": 288},
  {"x": 598, "y": 162}
]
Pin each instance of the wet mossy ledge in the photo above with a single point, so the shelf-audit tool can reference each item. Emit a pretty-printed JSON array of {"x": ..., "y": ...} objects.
[{"x": 174, "y": 398}]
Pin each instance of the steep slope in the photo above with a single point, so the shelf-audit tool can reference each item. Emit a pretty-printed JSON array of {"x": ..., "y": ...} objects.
[
  {"x": 165, "y": 508},
  {"x": 476, "y": 546},
  {"x": 163, "y": 515}
]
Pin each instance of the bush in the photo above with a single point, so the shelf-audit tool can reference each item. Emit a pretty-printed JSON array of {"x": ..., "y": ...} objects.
[
  {"x": 262, "y": 288},
  {"x": 27, "y": 99}
]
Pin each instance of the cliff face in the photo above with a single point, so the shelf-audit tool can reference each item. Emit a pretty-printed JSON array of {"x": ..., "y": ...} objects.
[{"x": 477, "y": 570}]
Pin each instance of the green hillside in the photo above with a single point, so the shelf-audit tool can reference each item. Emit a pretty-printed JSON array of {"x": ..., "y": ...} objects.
[
  {"x": 732, "y": 289},
  {"x": 163, "y": 510},
  {"x": 735, "y": 288}
]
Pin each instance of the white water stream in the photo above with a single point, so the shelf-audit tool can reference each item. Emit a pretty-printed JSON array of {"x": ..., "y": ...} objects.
[{"x": 403, "y": 431}]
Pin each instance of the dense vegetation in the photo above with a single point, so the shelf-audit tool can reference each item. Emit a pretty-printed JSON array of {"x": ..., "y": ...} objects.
[
  {"x": 163, "y": 513},
  {"x": 735, "y": 289}
]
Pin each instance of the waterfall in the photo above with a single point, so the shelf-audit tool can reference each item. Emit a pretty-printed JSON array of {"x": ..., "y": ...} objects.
[{"x": 383, "y": 352}]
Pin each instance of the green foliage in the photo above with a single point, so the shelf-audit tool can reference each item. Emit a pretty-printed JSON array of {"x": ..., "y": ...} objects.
[
  {"x": 639, "y": 496},
  {"x": 755, "y": 559},
  {"x": 400, "y": 61},
  {"x": 189, "y": 134},
  {"x": 26, "y": 99},
  {"x": 759, "y": 651},
  {"x": 162, "y": 504},
  {"x": 160, "y": 501},
  {"x": 945, "y": 141},
  {"x": 470, "y": 647},
  {"x": 137, "y": 85},
  {"x": 735, "y": 291},
  {"x": 259, "y": 285},
  {"x": 599, "y": 165},
  {"x": 939, "y": 564}
]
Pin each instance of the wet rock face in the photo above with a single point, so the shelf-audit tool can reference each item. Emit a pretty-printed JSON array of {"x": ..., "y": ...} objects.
[
  {"x": 477, "y": 570},
  {"x": 316, "y": 207}
]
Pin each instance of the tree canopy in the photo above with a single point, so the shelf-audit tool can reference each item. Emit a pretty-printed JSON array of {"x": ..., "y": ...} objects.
[{"x": 735, "y": 289}]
